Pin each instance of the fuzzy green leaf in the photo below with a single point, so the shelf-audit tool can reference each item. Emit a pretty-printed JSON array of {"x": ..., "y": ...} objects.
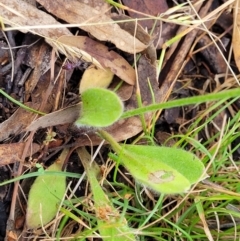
[
  {"x": 163, "y": 169},
  {"x": 101, "y": 108},
  {"x": 45, "y": 195}
]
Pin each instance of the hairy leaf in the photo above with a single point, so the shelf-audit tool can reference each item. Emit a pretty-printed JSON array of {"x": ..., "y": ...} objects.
[
  {"x": 45, "y": 195},
  {"x": 101, "y": 108},
  {"x": 163, "y": 169}
]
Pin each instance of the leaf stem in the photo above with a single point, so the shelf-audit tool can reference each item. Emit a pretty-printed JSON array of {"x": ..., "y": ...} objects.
[{"x": 115, "y": 146}]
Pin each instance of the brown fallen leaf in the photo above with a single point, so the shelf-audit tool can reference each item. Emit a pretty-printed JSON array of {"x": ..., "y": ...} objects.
[
  {"x": 38, "y": 58},
  {"x": 236, "y": 33},
  {"x": 124, "y": 92},
  {"x": 161, "y": 32},
  {"x": 90, "y": 19},
  {"x": 149, "y": 7},
  {"x": 60, "y": 117},
  {"x": 24, "y": 17},
  {"x": 19, "y": 13},
  {"x": 130, "y": 27},
  {"x": 212, "y": 55},
  {"x": 100, "y": 5},
  {"x": 43, "y": 96},
  {"x": 17, "y": 122},
  {"x": 11, "y": 153},
  {"x": 108, "y": 59}
]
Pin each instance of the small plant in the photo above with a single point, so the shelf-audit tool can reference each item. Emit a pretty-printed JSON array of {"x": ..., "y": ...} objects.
[{"x": 162, "y": 169}]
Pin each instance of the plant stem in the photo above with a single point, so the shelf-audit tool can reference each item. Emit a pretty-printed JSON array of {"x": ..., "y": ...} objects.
[{"x": 115, "y": 146}]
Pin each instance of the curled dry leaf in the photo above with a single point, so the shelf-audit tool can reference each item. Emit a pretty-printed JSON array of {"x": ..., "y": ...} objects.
[
  {"x": 38, "y": 58},
  {"x": 108, "y": 59},
  {"x": 95, "y": 77},
  {"x": 90, "y": 19}
]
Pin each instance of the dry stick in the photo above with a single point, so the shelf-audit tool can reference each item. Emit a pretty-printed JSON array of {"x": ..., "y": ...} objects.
[
  {"x": 176, "y": 67},
  {"x": 174, "y": 46},
  {"x": 173, "y": 73},
  {"x": 15, "y": 190}
]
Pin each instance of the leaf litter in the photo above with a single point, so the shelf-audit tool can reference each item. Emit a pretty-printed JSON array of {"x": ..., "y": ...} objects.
[{"x": 108, "y": 46}]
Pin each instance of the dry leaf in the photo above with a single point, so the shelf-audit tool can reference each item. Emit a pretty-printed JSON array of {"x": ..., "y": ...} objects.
[
  {"x": 125, "y": 90},
  {"x": 75, "y": 12},
  {"x": 17, "y": 122},
  {"x": 40, "y": 97},
  {"x": 19, "y": 13},
  {"x": 100, "y": 5},
  {"x": 11, "y": 153},
  {"x": 99, "y": 52},
  {"x": 95, "y": 77},
  {"x": 38, "y": 57},
  {"x": 236, "y": 34},
  {"x": 60, "y": 117},
  {"x": 130, "y": 27},
  {"x": 149, "y": 7}
]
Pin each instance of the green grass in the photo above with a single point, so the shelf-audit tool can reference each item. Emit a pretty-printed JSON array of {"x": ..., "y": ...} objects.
[{"x": 179, "y": 217}]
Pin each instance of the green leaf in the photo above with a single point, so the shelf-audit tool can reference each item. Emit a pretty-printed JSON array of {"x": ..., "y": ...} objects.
[
  {"x": 101, "y": 108},
  {"x": 164, "y": 169},
  {"x": 111, "y": 225},
  {"x": 45, "y": 195}
]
